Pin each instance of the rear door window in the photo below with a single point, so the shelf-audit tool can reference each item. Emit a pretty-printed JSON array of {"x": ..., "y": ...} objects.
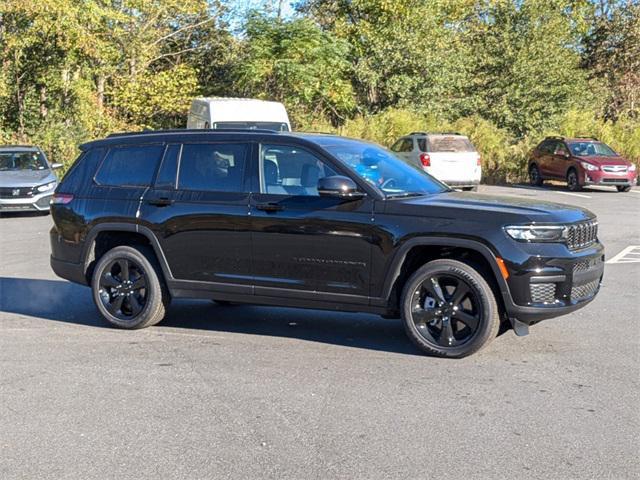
[
  {"x": 130, "y": 166},
  {"x": 422, "y": 144},
  {"x": 211, "y": 167}
]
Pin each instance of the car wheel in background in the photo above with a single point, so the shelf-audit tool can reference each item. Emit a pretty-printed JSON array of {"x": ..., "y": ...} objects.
[
  {"x": 573, "y": 183},
  {"x": 128, "y": 288},
  {"x": 534, "y": 176},
  {"x": 623, "y": 188},
  {"x": 449, "y": 310}
]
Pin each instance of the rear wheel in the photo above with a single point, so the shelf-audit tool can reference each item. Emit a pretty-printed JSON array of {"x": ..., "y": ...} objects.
[
  {"x": 534, "y": 176},
  {"x": 573, "y": 183},
  {"x": 623, "y": 188},
  {"x": 449, "y": 310},
  {"x": 127, "y": 288},
  {"x": 470, "y": 189}
]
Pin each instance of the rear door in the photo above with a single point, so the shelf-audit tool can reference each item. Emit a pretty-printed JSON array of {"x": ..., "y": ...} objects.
[
  {"x": 198, "y": 209},
  {"x": 453, "y": 158},
  {"x": 559, "y": 160},
  {"x": 304, "y": 245}
]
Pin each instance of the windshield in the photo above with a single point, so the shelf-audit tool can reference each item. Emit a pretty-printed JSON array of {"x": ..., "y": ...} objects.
[
  {"x": 586, "y": 149},
  {"x": 449, "y": 143},
  {"x": 22, "y": 161},
  {"x": 383, "y": 169},
  {"x": 277, "y": 126}
]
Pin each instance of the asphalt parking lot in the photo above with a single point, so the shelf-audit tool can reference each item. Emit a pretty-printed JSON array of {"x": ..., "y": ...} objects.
[{"x": 259, "y": 392}]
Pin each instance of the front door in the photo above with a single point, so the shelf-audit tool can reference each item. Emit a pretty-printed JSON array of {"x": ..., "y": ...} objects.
[
  {"x": 198, "y": 210},
  {"x": 317, "y": 246}
]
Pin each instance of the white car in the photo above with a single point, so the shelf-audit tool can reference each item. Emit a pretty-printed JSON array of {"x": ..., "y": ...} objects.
[
  {"x": 219, "y": 113},
  {"x": 450, "y": 157}
]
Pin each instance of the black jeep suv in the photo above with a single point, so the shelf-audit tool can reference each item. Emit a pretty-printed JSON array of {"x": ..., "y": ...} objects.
[{"x": 313, "y": 221}]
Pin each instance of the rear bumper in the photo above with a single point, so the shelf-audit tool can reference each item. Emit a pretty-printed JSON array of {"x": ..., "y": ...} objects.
[
  {"x": 462, "y": 183},
  {"x": 73, "y": 272},
  {"x": 37, "y": 203}
]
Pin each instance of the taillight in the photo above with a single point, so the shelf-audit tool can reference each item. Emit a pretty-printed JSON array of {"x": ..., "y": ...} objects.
[
  {"x": 425, "y": 159},
  {"x": 61, "y": 198},
  {"x": 479, "y": 162}
]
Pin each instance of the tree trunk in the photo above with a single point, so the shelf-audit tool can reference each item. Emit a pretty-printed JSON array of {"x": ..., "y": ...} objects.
[
  {"x": 43, "y": 102},
  {"x": 100, "y": 81}
]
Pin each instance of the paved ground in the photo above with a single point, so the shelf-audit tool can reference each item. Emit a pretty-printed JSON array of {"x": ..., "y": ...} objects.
[{"x": 256, "y": 392}]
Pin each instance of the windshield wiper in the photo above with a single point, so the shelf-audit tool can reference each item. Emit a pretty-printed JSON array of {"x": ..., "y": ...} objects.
[{"x": 406, "y": 194}]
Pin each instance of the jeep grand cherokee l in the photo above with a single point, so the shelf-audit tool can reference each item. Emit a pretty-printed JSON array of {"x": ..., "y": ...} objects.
[
  {"x": 296, "y": 220},
  {"x": 580, "y": 161}
]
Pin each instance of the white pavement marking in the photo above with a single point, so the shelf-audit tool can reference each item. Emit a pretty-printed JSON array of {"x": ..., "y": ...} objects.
[
  {"x": 634, "y": 191},
  {"x": 572, "y": 194},
  {"x": 631, "y": 254}
]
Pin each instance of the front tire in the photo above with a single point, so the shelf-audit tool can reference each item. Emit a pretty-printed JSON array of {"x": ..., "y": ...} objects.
[
  {"x": 128, "y": 289},
  {"x": 449, "y": 310},
  {"x": 623, "y": 188},
  {"x": 534, "y": 176},
  {"x": 573, "y": 184}
]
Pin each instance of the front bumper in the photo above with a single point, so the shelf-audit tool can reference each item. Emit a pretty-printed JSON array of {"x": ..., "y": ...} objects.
[
  {"x": 547, "y": 287},
  {"x": 35, "y": 203},
  {"x": 598, "y": 177}
]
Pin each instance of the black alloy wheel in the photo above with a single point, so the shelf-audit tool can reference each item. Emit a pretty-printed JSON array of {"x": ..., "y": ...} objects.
[
  {"x": 123, "y": 288},
  {"x": 623, "y": 188},
  {"x": 445, "y": 310},
  {"x": 534, "y": 176},
  {"x": 572, "y": 181},
  {"x": 449, "y": 309},
  {"x": 128, "y": 287}
]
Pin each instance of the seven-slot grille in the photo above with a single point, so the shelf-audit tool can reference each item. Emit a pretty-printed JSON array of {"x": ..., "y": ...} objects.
[
  {"x": 582, "y": 235},
  {"x": 16, "y": 192}
]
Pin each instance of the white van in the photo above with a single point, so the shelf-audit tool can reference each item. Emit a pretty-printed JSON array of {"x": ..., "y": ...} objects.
[{"x": 219, "y": 112}]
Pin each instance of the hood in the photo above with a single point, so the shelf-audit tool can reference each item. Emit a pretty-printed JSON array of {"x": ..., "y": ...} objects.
[
  {"x": 603, "y": 160},
  {"x": 475, "y": 206},
  {"x": 25, "y": 178}
]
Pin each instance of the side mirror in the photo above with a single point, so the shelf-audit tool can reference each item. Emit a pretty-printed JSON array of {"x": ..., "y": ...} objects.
[
  {"x": 56, "y": 166},
  {"x": 338, "y": 186}
]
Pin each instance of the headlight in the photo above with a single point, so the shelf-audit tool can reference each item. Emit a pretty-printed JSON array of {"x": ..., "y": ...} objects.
[
  {"x": 46, "y": 187},
  {"x": 632, "y": 167},
  {"x": 536, "y": 233},
  {"x": 588, "y": 166}
]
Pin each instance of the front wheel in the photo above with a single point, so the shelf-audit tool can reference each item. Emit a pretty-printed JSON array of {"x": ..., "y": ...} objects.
[
  {"x": 573, "y": 184},
  {"x": 623, "y": 188},
  {"x": 449, "y": 309},
  {"x": 534, "y": 176},
  {"x": 127, "y": 288}
]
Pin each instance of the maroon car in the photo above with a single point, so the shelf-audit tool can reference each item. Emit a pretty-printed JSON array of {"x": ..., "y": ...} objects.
[{"x": 580, "y": 161}]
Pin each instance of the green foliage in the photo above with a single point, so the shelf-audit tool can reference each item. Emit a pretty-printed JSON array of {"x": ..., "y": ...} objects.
[
  {"x": 296, "y": 63},
  {"x": 504, "y": 72}
]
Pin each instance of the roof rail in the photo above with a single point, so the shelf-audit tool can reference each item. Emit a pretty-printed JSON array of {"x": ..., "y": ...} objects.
[
  {"x": 554, "y": 137},
  {"x": 418, "y": 133},
  {"x": 19, "y": 146},
  {"x": 192, "y": 130},
  {"x": 435, "y": 133}
]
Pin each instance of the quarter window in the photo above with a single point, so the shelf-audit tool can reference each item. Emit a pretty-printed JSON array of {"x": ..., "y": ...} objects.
[
  {"x": 132, "y": 166},
  {"x": 213, "y": 167}
]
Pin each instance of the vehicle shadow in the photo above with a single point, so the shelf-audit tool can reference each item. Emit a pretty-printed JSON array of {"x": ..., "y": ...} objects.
[
  {"x": 561, "y": 188},
  {"x": 67, "y": 302}
]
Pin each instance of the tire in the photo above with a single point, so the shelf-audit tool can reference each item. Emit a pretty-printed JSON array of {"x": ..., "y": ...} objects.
[
  {"x": 623, "y": 188},
  {"x": 471, "y": 189},
  {"x": 573, "y": 184},
  {"x": 417, "y": 303},
  {"x": 108, "y": 285},
  {"x": 535, "y": 178}
]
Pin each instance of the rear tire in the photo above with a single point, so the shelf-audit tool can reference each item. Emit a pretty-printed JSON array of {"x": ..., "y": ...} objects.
[
  {"x": 535, "y": 178},
  {"x": 128, "y": 288},
  {"x": 471, "y": 189},
  {"x": 623, "y": 188},
  {"x": 573, "y": 184},
  {"x": 456, "y": 322}
]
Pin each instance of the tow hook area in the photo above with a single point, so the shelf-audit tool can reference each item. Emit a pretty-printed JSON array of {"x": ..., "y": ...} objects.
[{"x": 521, "y": 329}]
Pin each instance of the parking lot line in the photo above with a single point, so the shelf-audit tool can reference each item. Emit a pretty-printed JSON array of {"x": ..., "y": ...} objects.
[
  {"x": 631, "y": 254},
  {"x": 573, "y": 194}
]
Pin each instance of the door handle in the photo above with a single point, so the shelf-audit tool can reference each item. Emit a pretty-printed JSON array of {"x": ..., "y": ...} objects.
[
  {"x": 160, "y": 202},
  {"x": 269, "y": 207}
]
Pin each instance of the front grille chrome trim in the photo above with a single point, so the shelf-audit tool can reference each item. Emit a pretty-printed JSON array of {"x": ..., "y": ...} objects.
[{"x": 582, "y": 235}]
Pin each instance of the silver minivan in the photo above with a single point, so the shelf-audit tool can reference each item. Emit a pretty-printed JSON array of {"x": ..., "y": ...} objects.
[{"x": 27, "y": 181}]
